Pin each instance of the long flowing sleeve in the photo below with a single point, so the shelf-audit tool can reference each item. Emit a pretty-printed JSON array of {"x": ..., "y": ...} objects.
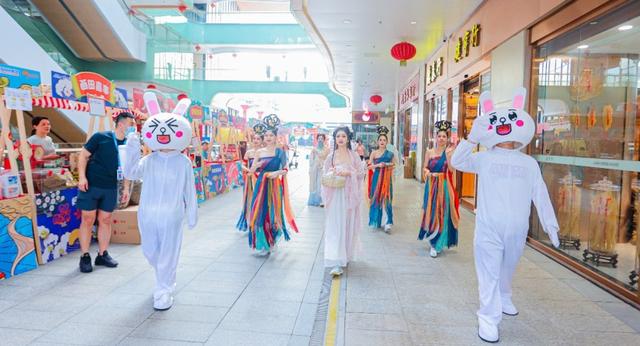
[
  {"x": 134, "y": 163},
  {"x": 543, "y": 205},
  {"x": 327, "y": 193},
  {"x": 464, "y": 159},
  {"x": 354, "y": 182},
  {"x": 190, "y": 199}
]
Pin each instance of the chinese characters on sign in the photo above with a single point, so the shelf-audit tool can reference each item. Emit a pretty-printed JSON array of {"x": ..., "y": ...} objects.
[
  {"x": 434, "y": 70},
  {"x": 409, "y": 93},
  {"x": 471, "y": 38},
  {"x": 93, "y": 84}
]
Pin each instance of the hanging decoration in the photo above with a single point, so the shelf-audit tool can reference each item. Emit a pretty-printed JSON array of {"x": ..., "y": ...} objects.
[
  {"x": 197, "y": 47},
  {"x": 182, "y": 7},
  {"x": 375, "y": 99},
  {"x": 591, "y": 117},
  {"x": 182, "y": 96},
  {"x": 403, "y": 51},
  {"x": 151, "y": 86}
]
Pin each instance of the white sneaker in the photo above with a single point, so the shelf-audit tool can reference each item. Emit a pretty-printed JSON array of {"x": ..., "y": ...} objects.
[
  {"x": 433, "y": 253},
  {"x": 336, "y": 271},
  {"x": 387, "y": 228},
  {"x": 262, "y": 253},
  {"x": 509, "y": 309},
  {"x": 164, "y": 302},
  {"x": 488, "y": 332}
]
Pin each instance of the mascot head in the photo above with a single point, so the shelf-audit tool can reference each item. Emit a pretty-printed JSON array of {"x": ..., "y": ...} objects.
[
  {"x": 166, "y": 131},
  {"x": 507, "y": 124}
]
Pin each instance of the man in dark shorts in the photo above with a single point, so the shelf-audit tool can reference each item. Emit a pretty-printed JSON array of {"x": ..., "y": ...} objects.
[{"x": 100, "y": 169}]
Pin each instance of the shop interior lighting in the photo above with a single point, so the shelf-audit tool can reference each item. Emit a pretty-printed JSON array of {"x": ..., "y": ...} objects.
[
  {"x": 347, "y": 21},
  {"x": 413, "y": 22},
  {"x": 625, "y": 27},
  {"x": 583, "y": 46}
]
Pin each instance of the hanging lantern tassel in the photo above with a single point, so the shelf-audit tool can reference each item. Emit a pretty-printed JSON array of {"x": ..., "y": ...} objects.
[{"x": 403, "y": 51}]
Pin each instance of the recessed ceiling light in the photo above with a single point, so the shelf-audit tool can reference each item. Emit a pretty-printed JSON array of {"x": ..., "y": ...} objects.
[
  {"x": 347, "y": 21},
  {"x": 583, "y": 46},
  {"x": 347, "y": 45},
  {"x": 349, "y": 62},
  {"x": 413, "y": 22},
  {"x": 625, "y": 27}
]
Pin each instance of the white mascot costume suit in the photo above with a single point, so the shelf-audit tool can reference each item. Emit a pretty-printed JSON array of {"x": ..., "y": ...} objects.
[
  {"x": 508, "y": 180},
  {"x": 168, "y": 192}
]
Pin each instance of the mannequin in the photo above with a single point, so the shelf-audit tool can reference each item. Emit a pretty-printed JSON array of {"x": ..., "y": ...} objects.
[
  {"x": 508, "y": 181},
  {"x": 168, "y": 192}
]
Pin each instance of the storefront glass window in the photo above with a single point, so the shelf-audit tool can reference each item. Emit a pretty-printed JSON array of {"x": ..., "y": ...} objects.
[{"x": 587, "y": 88}]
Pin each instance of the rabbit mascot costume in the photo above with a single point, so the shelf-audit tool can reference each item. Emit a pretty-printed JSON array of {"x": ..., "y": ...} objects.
[
  {"x": 508, "y": 181},
  {"x": 168, "y": 192}
]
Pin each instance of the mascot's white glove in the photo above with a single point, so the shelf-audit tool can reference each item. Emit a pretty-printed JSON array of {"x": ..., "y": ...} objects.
[
  {"x": 553, "y": 236},
  {"x": 480, "y": 129},
  {"x": 133, "y": 140}
]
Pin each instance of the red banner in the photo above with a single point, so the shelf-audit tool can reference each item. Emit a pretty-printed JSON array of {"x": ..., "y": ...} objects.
[{"x": 94, "y": 85}]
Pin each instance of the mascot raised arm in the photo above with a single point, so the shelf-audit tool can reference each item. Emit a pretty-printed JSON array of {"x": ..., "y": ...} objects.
[{"x": 508, "y": 181}]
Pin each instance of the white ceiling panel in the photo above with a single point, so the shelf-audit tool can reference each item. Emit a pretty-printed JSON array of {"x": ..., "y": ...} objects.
[{"x": 357, "y": 35}]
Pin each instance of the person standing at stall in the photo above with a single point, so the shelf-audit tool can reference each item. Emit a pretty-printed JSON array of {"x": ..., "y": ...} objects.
[
  {"x": 99, "y": 170},
  {"x": 40, "y": 137}
]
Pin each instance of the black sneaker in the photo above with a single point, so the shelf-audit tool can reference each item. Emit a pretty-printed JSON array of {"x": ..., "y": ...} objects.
[
  {"x": 106, "y": 260},
  {"x": 85, "y": 263}
]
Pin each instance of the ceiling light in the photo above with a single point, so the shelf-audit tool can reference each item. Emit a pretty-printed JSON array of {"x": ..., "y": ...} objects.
[
  {"x": 347, "y": 21},
  {"x": 349, "y": 62},
  {"x": 413, "y": 22},
  {"x": 625, "y": 27},
  {"x": 583, "y": 46}
]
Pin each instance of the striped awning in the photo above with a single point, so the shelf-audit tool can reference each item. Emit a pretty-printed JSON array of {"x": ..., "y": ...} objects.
[{"x": 52, "y": 102}]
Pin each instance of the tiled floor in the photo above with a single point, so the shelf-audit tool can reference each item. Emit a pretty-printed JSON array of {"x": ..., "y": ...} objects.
[{"x": 395, "y": 294}]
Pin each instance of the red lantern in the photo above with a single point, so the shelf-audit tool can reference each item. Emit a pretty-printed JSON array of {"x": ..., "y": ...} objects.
[
  {"x": 375, "y": 99},
  {"x": 182, "y": 8},
  {"x": 151, "y": 86},
  {"x": 197, "y": 47},
  {"x": 182, "y": 96},
  {"x": 403, "y": 51}
]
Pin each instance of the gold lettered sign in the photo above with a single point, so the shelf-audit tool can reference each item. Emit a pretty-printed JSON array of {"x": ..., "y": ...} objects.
[
  {"x": 471, "y": 38},
  {"x": 434, "y": 70}
]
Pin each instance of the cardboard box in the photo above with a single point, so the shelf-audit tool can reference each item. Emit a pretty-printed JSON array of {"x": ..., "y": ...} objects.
[{"x": 124, "y": 229}]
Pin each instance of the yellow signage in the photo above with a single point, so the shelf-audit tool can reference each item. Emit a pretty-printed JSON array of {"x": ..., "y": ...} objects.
[
  {"x": 434, "y": 70},
  {"x": 471, "y": 38}
]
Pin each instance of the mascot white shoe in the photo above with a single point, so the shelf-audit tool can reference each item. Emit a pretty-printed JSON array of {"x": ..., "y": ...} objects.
[
  {"x": 168, "y": 192},
  {"x": 508, "y": 181}
]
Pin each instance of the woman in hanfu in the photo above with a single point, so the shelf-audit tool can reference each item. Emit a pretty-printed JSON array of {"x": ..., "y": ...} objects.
[
  {"x": 440, "y": 214},
  {"x": 382, "y": 163},
  {"x": 316, "y": 161},
  {"x": 270, "y": 206},
  {"x": 342, "y": 203},
  {"x": 249, "y": 178}
]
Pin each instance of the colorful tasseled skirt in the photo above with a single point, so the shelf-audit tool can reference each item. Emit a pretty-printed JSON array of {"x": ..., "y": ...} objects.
[
  {"x": 270, "y": 213},
  {"x": 247, "y": 195},
  {"x": 380, "y": 196},
  {"x": 440, "y": 214}
]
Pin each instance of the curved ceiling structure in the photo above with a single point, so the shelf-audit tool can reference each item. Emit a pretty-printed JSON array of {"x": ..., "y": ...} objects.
[{"x": 356, "y": 37}]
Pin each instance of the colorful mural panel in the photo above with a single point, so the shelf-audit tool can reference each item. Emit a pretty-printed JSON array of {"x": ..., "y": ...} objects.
[
  {"x": 58, "y": 223},
  {"x": 17, "y": 247}
]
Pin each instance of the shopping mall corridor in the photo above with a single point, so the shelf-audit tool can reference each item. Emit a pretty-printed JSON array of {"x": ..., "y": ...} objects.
[{"x": 395, "y": 295}]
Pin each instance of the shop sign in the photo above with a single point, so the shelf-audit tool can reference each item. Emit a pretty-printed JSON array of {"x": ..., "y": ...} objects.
[
  {"x": 20, "y": 78},
  {"x": 435, "y": 70},
  {"x": 61, "y": 86},
  {"x": 361, "y": 117},
  {"x": 94, "y": 85},
  {"x": 409, "y": 93},
  {"x": 471, "y": 38},
  {"x": 196, "y": 112},
  {"x": 138, "y": 100},
  {"x": 18, "y": 99}
]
